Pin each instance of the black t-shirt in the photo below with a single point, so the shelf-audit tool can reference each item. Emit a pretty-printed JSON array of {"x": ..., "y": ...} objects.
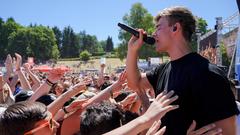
[{"x": 204, "y": 92}]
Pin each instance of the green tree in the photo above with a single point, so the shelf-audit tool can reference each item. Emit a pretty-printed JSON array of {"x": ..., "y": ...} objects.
[
  {"x": 85, "y": 55},
  {"x": 58, "y": 36},
  {"x": 19, "y": 42},
  {"x": 201, "y": 29},
  {"x": 225, "y": 59},
  {"x": 109, "y": 44},
  {"x": 35, "y": 41},
  {"x": 88, "y": 42},
  {"x": 202, "y": 25},
  {"x": 103, "y": 44},
  {"x": 121, "y": 51},
  {"x": 70, "y": 43},
  {"x": 6, "y": 29},
  {"x": 137, "y": 18},
  {"x": 99, "y": 48}
]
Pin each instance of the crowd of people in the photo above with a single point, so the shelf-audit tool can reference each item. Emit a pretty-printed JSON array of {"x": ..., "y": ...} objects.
[
  {"x": 178, "y": 100},
  {"x": 61, "y": 102},
  {"x": 34, "y": 102}
]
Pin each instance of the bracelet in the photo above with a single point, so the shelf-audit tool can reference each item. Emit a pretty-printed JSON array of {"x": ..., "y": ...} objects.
[
  {"x": 65, "y": 111},
  {"x": 49, "y": 83}
]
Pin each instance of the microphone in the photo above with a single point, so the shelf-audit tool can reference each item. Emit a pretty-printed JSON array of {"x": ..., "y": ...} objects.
[{"x": 146, "y": 38}]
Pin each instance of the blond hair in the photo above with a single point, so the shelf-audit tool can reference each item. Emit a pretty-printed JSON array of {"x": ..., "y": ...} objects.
[{"x": 180, "y": 15}]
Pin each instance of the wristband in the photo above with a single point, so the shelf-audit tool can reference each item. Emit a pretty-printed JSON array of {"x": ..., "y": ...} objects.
[
  {"x": 65, "y": 111},
  {"x": 49, "y": 83}
]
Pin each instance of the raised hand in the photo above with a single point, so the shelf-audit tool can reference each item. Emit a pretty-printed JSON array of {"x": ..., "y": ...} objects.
[
  {"x": 159, "y": 107},
  {"x": 9, "y": 64},
  {"x": 122, "y": 77},
  {"x": 82, "y": 84},
  {"x": 18, "y": 61},
  {"x": 55, "y": 74},
  {"x": 120, "y": 83},
  {"x": 206, "y": 130},
  {"x": 76, "y": 105},
  {"x": 130, "y": 99},
  {"x": 26, "y": 66},
  {"x": 134, "y": 44},
  {"x": 153, "y": 130}
]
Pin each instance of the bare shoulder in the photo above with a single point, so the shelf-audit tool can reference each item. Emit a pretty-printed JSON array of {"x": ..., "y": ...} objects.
[{"x": 228, "y": 125}]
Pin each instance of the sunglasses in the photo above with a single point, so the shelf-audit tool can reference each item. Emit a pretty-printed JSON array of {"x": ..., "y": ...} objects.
[{"x": 44, "y": 123}]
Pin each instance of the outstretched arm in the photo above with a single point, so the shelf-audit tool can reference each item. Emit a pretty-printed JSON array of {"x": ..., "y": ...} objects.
[
  {"x": 108, "y": 92},
  {"x": 35, "y": 79},
  {"x": 9, "y": 68},
  {"x": 59, "y": 102},
  {"x": 159, "y": 107},
  {"x": 9, "y": 71},
  {"x": 101, "y": 75},
  {"x": 23, "y": 80},
  {"x": 53, "y": 77},
  {"x": 103, "y": 95}
]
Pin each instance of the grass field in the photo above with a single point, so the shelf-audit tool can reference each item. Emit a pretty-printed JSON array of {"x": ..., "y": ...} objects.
[
  {"x": 111, "y": 64},
  {"x": 76, "y": 66}
]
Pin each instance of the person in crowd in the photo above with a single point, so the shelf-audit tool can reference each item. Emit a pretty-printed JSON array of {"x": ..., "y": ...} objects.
[
  {"x": 107, "y": 118},
  {"x": 57, "y": 89},
  {"x": 68, "y": 106},
  {"x": 6, "y": 96},
  {"x": 204, "y": 92},
  {"x": 27, "y": 118},
  {"x": 103, "y": 117}
]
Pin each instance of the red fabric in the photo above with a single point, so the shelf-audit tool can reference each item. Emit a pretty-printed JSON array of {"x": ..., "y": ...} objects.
[
  {"x": 46, "y": 68},
  {"x": 42, "y": 68}
]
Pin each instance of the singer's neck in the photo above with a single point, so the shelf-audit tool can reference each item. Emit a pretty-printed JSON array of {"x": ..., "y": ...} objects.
[{"x": 179, "y": 50}]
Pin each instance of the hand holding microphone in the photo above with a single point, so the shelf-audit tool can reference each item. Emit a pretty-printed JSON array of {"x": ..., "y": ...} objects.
[{"x": 146, "y": 38}]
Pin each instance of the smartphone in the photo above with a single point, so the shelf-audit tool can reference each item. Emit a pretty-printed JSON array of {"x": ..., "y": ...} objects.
[{"x": 103, "y": 61}]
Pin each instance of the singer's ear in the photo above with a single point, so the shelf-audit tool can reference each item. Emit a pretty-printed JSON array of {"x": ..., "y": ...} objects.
[{"x": 174, "y": 28}]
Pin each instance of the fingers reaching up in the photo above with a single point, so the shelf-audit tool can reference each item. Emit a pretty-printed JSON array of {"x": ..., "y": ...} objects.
[
  {"x": 160, "y": 106},
  {"x": 206, "y": 130},
  {"x": 153, "y": 130}
]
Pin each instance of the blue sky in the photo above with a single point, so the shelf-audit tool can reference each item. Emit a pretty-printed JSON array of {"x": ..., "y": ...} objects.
[{"x": 100, "y": 17}]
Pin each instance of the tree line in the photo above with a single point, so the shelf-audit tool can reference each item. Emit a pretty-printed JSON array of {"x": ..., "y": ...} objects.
[{"x": 44, "y": 43}]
